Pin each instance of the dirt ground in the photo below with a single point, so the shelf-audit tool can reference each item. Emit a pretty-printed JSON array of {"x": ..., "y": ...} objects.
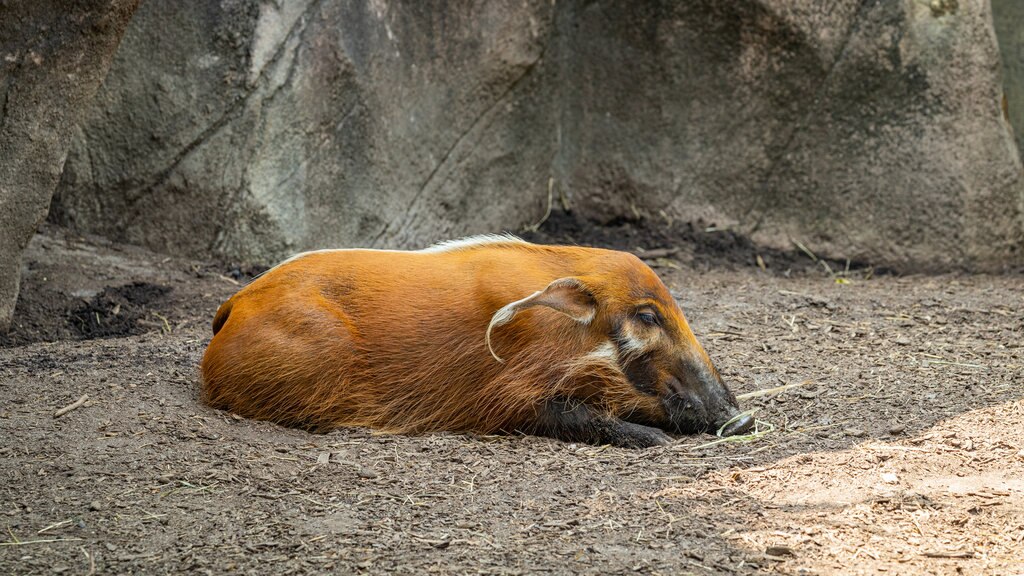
[{"x": 902, "y": 452}]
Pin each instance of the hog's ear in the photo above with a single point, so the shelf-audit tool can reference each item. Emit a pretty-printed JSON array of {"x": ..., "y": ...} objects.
[{"x": 570, "y": 296}]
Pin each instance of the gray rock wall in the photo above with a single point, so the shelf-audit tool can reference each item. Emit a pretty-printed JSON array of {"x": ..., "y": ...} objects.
[
  {"x": 53, "y": 56},
  {"x": 871, "y": 130},
  {"x": 1008, "y": 16},
  {"x": 868, "y": 130}
]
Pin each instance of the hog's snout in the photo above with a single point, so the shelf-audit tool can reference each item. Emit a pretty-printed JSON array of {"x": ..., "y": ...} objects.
[{"x": 703, "y": 403}]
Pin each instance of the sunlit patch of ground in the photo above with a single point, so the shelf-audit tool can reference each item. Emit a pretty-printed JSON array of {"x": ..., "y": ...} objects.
[{"x": 950, "y": 500}]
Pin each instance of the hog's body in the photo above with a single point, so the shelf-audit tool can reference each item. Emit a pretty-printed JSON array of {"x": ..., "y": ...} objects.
[{"x": 399, "y": 341}]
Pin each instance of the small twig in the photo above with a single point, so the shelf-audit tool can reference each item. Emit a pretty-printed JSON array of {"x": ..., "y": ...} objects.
[
  {"x": 656, "y": 253},
  {"x": 149, "y": 515},
  {"x": 727, "y": 333},
  {"x": 76, "y": 404},
  {"x": 940, "y": 554},
  {"x": 767, "y": 391},
  {"x": 917, "y": 525}
]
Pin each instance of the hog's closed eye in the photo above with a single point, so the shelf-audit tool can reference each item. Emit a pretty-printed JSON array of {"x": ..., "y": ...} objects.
[{"x": 648, "y": 318}]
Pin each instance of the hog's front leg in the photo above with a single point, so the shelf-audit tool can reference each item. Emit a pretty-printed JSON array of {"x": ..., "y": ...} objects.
[{"x": 574, "y": 421}]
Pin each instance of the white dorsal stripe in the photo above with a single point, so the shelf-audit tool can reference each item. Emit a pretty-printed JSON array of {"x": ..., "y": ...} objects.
[
  {"x": 440, "y": 247},
  {"x": 474, "y": 241}
]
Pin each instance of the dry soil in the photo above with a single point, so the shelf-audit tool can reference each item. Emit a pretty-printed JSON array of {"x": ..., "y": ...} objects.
[{"x": 900, "y": 451}]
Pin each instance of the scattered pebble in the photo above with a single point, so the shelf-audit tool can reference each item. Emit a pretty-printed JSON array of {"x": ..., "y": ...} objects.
[
  {"x": 897, "y": 430},
  {"x": 778, "y": 551},
  {"x": 854, "y": 432}
]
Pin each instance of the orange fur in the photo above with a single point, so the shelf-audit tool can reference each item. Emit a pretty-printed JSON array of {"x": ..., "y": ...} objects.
[{"x": 395, "y": 340}]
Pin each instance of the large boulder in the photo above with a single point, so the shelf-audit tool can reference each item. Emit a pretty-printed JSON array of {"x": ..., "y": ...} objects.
[
  {"x": 259, "y": 128},
  {"x": 870, "y": 130},
  {"x": 53, "y": 56}
]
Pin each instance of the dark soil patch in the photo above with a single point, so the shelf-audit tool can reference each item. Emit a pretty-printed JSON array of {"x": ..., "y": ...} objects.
[
  {"x": 119, "y": 311},
  {"x": 49, "y": 315},
  {"x": 82, "y": 287},
  {"x": 696, "y": 245}
]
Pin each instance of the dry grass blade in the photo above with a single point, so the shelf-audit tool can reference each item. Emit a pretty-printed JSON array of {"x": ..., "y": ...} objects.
[
  {"x": 735, "y": 418},
  {"x": 54, "y": 525},
  {"x": 947, "y": 363},
  {"x": 547, "y": 212},
  {"x": 805, "y": 250},
  {"x": 44, "y": 541},
  {"x": 761, "y": 428}
]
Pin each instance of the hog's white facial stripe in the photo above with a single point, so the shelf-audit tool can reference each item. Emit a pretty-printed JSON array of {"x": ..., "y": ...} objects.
[
  {"x": 606, "y": 351},
  {"x": 629, "y": 344}
]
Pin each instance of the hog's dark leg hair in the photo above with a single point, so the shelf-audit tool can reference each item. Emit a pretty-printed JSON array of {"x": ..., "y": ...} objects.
[{"x": 574, "y": 421}]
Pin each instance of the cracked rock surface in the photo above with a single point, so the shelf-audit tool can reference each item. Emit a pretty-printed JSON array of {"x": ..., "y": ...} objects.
[
  {"x": 53, "y": 56},
  {"x": 249, "y": 130}
]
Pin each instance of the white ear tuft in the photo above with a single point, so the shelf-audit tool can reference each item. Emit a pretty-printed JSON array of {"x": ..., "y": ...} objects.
[
  {"x": 570, "y": 296},
  {"x": 502, "y": 317}
]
